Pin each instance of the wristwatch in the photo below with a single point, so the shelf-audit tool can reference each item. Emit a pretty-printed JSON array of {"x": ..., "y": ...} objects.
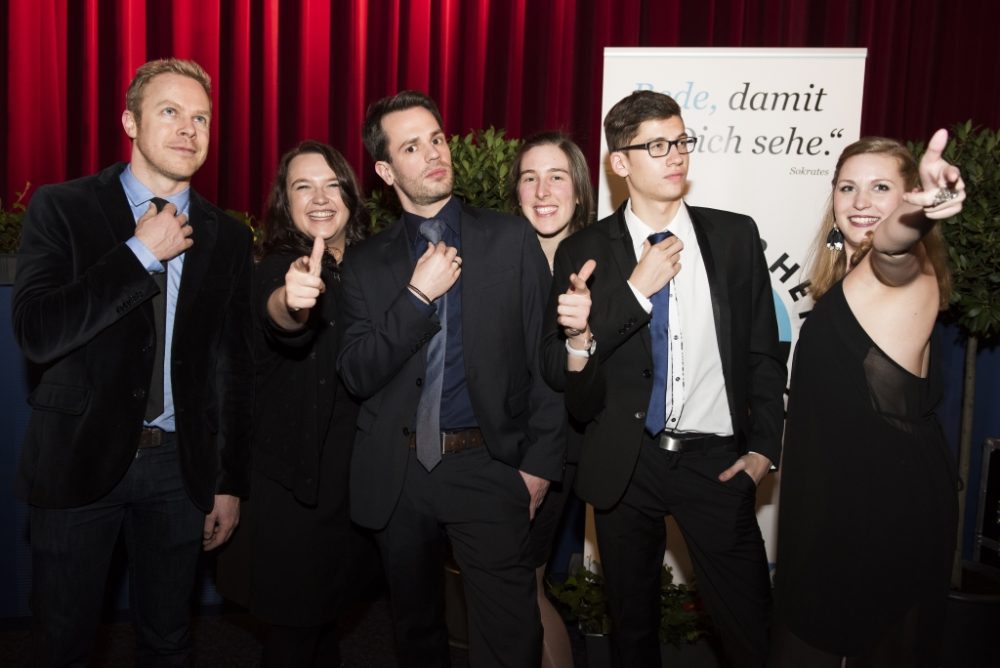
[{"x": 586, "y": 352}]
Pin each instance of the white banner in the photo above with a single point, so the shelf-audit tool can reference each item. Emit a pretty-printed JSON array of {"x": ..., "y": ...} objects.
[{"x": 770, "y": 125}]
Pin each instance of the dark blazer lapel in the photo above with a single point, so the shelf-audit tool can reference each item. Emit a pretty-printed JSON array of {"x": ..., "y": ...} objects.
[
  {"x": 621, "y": 245},
  {"x": 475, "y": 245},
  {"x": 114, "y": 204},
  {"x": 705, "y": 231},
  {"x": 197, "y": 259},
  {"x": 396, "y": 256}
]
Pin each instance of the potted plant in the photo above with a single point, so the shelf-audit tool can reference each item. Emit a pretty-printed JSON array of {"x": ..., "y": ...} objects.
[
  {"x": 683, "y": 621},
  {"x": 583, "y": 594},
  {"x": 973, "y": 238},
  {"x": 10, "y": 236}
]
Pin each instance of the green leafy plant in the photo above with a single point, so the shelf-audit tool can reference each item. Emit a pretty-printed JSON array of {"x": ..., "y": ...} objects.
[
  {"x": 973, "y": 238},
  {"x": 583, "y": 593},
  {"x": 682, "y": 618},
  {"x": 250, "y": 221},
  {"x": 481, "y": 161},
  {"x": 10, "y": 223}
]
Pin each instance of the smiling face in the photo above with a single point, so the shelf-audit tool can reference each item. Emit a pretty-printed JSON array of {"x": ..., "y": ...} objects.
[
  {"x": 314, "y": 200},
  {"x": 868, "y": 189},
  {"x": 654, "y": 183},
  {"x": 170, "y": 137},
  {"x": 545, "y": 190},
  {"x": 419, "y": 165}
]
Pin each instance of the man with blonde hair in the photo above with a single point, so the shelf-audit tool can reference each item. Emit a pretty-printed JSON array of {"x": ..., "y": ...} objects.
[{"x": 133, "y": 295}]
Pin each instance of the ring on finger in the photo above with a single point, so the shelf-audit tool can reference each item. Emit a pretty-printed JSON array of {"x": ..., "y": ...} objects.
[
  {"x": 457, "y": 260},
  {"x": 943, "y": 195}
]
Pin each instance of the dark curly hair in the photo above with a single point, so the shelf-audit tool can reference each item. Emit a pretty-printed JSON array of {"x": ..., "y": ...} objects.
[{"x": 279, "y": 232}]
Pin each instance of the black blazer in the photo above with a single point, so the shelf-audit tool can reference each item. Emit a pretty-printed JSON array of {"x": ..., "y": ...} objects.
[
  {"x": 81, "y": 309},
  {"x": 382, "y": 359},
  {"x": 612, "y": 393}
]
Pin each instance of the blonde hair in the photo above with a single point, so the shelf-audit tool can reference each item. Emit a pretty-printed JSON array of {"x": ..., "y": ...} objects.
[
  {"x": 827, "y": 267},
  {"x": 147, "y": 71}
]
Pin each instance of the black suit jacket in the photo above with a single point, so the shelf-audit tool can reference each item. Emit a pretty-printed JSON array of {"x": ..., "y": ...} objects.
[
  {"x": 504, "y": 285},
  {"x": 612, "y": 393},
  {"x": 82, "y": 309}
]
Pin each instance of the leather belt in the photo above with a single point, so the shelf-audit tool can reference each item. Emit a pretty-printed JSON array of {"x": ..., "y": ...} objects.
[
  {"x": 151, "y": 437},
  {"x": 453, "y": 442},
  {"x": 692, "y": 442}
]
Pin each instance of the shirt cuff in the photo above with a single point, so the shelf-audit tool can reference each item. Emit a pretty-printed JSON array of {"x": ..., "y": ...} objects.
[
  {"x": 145, "y": 256},
  {"x": 643, "y": 300}
]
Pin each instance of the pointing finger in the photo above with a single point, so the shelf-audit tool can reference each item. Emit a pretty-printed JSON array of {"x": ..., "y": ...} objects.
[{"x": 316, "y": 259}]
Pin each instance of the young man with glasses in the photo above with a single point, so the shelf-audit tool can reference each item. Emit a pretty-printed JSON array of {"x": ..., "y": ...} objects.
[{"x": 667, "y": 347}]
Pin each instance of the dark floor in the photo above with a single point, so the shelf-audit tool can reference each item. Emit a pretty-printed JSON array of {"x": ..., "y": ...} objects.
[{"x": 231, "y": 640}]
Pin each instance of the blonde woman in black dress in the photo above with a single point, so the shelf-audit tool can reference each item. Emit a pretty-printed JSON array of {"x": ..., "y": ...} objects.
[{"x": 868, "y": 505}]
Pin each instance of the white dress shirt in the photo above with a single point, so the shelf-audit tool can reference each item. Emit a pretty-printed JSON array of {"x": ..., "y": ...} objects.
[{"x": 696, "y": 389}]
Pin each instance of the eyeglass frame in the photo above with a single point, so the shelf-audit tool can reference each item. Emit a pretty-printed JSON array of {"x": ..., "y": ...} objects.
[{"x": 691, "y": 142}]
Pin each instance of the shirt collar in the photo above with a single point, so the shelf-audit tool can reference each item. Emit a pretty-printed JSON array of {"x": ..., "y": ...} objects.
[
  {"x": 680, "y": 226},
  {"x": 139, "y": 195}
]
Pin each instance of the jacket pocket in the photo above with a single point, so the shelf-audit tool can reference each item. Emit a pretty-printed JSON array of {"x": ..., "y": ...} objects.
[{"x": 68, "y": 399}]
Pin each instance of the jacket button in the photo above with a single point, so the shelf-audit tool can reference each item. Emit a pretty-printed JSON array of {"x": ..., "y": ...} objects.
[
  {"x": 646, "y": 373},
  {"x": 420, "y": 382},
  {"x": 406, "y": 431},
  {"x": 640, "y": 415},
  {"x": 139, "y": 393}
]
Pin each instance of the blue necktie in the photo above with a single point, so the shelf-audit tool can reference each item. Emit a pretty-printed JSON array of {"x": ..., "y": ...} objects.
[
  {"x": 656, "y": 417},
  {"x": 429, "y": 408}
]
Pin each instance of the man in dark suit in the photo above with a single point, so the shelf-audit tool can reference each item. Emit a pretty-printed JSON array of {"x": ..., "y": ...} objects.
[
  {"x": 133, "y": 294},
  {"x": 458, "y": 434},
  {"x": 684, "y": 415}
]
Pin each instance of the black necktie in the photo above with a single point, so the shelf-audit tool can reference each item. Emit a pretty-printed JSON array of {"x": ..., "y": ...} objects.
[
  {"x": 154, "y": 400},
  {"x": 429, "y": 407},
  {"x": 656, "y": 414}
]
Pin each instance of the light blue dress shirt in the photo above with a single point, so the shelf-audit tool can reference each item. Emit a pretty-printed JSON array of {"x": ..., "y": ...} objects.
[{"x": 138, "y": 197}]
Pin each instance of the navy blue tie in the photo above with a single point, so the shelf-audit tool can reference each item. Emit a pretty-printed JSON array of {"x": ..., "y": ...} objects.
[
  {"x": 429, "y": 407},
  {"x": 656, "y": 414}
]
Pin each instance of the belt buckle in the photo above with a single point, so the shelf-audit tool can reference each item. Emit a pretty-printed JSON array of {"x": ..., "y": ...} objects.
[{"x": 670, "y": 443}]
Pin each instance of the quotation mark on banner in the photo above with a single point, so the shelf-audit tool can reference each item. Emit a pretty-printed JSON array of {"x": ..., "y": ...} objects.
[{"x": 836, "y": 134}]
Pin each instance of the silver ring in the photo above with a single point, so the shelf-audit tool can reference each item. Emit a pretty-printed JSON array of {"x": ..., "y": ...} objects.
[{"x": 943, "y": 195}]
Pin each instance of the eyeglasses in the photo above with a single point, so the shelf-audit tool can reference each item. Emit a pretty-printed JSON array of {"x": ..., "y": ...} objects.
[{"x": 658, "y": 148}]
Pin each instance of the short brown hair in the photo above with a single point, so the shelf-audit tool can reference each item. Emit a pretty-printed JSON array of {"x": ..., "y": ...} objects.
[
  {"x": 372, "y": 132},
  {"x": 147, "y": 71},
  {"x": 623, "y": 121}
]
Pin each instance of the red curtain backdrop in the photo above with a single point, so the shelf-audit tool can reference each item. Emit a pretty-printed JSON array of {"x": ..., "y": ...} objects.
[{"x": 285, "y": 71}]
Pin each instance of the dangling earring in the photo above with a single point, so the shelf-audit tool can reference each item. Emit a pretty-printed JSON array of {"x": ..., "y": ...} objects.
[{"x": 835, "y": 239}]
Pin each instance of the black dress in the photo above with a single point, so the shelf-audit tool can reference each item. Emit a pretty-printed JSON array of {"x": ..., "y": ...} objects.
[
  {"x": 868, "y": 506},
  {"x": 304, "y": 551}
]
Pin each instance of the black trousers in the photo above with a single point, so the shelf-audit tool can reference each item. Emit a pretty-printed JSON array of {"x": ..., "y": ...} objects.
[
  {"x": 720, "y": 527},
  {"x": 481, "y": 505},
  {"x": 71, "y": 552}
]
